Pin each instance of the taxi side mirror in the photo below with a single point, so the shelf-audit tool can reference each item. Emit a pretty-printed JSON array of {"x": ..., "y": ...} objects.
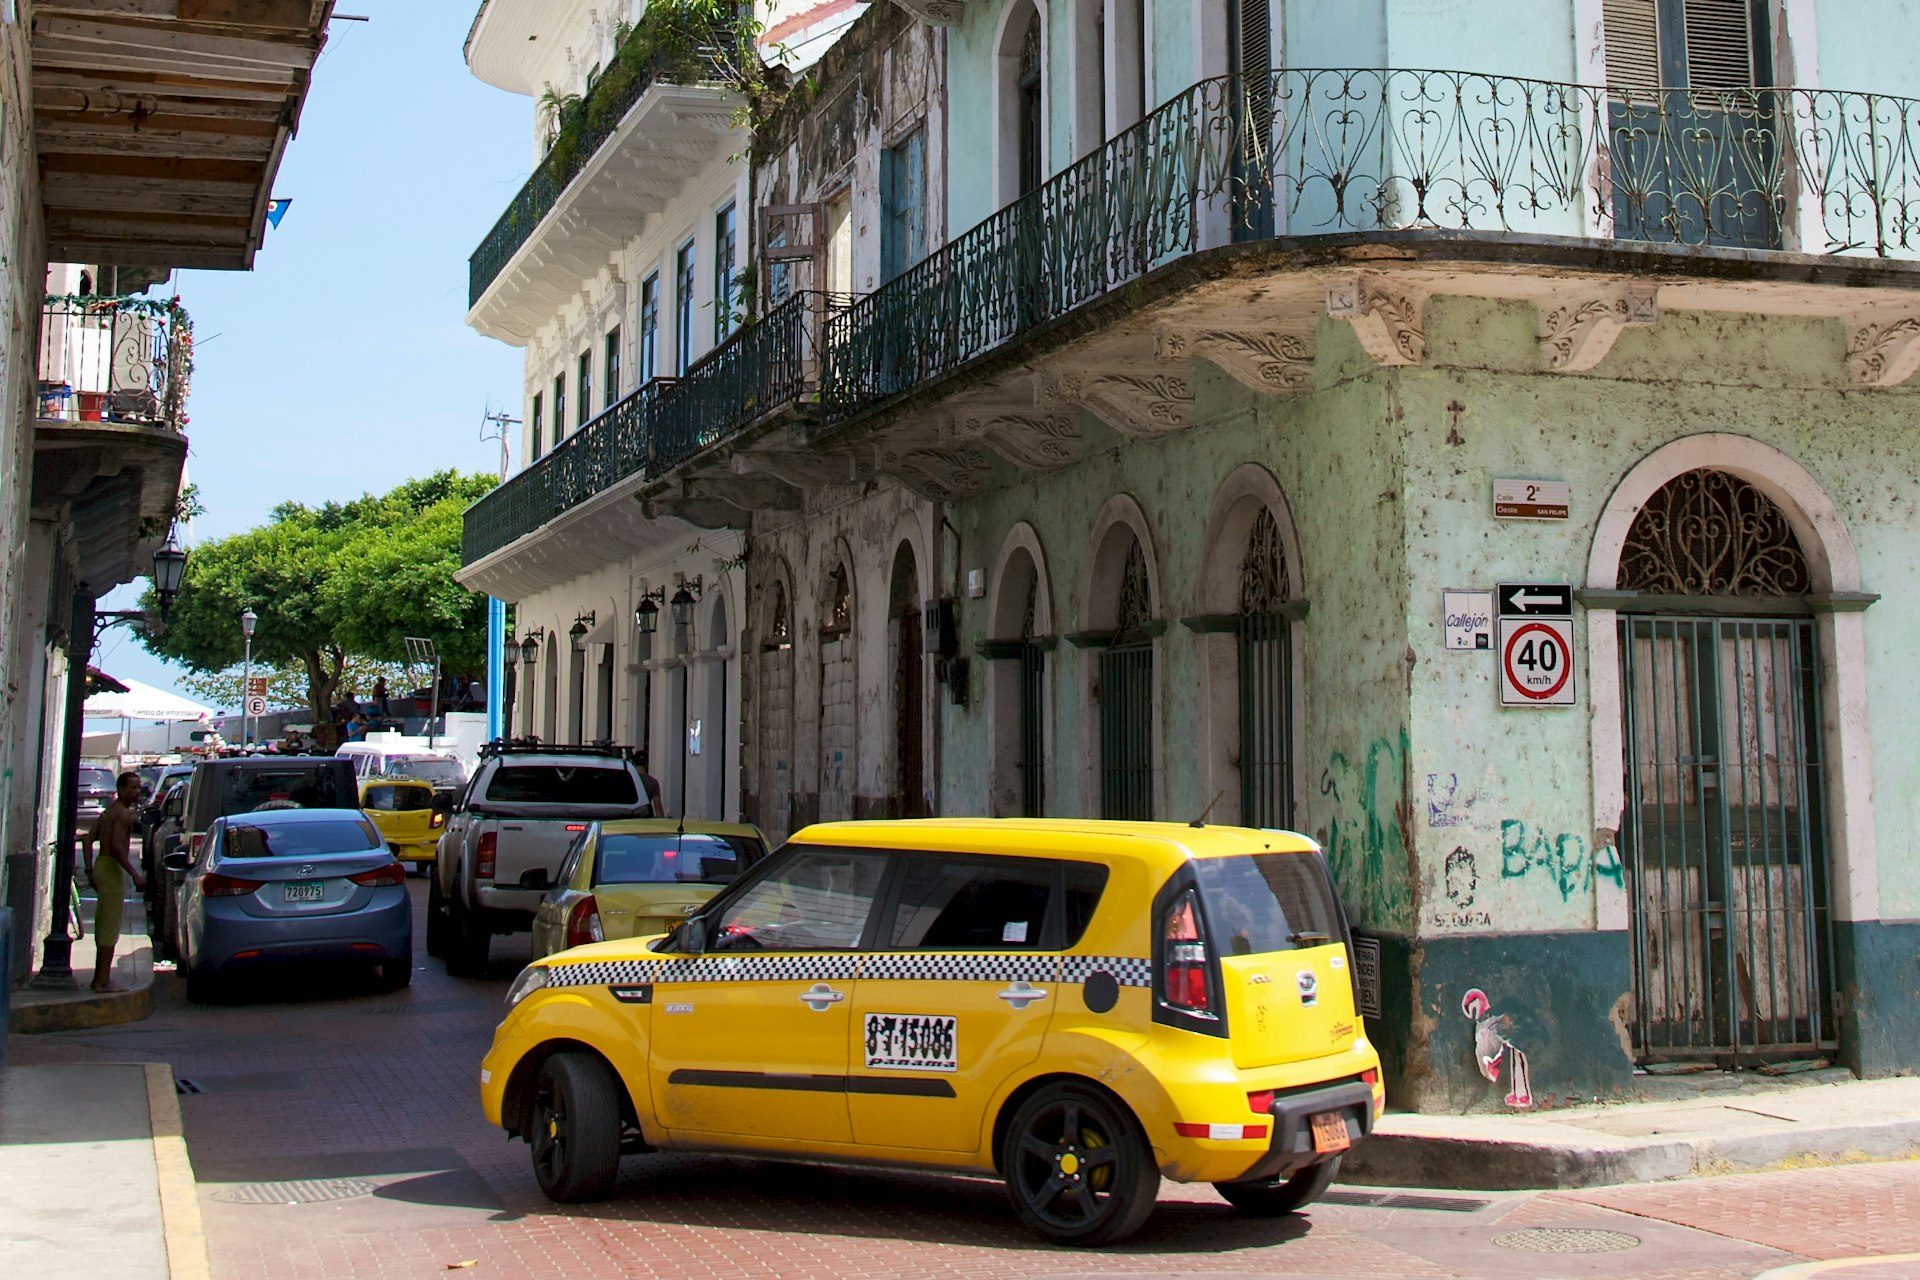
[{"x": 691, "y": 936}]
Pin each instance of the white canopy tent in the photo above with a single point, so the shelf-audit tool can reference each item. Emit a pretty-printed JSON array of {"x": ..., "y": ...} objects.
[{"x": 144, "y": 702}]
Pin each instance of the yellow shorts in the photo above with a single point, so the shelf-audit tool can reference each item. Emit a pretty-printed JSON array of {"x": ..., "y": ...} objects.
[{"x": 110, "y": 883}]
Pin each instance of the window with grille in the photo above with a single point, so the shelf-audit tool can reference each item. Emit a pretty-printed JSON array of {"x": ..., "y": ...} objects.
[
  {"x": 649, "y": 352},
  {"x": 535, "y": 447}
]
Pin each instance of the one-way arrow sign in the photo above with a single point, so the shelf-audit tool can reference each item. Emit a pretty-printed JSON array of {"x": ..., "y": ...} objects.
[{"x": 1535, "y": 599}]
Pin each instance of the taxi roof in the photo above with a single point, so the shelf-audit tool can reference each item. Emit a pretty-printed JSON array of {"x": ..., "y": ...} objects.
[
  {"x": 669, "y": 826},
  {"x": 1040, "y": 837}
]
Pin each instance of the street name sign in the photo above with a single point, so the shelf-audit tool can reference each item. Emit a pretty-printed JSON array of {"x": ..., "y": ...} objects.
[
  {"x": 1534, "y": 640},
  {"x": 1531, "y": 499}
]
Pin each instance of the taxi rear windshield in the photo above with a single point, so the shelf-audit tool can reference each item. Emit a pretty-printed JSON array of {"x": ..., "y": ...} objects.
[
  {"x": 397, "y": 799},
  {"x": 668, "y": 858},
  {"x": 1260, "y": 902}
]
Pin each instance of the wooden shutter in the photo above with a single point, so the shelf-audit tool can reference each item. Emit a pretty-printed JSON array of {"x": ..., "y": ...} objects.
[
  {"x": 1633, "y": 43},
  {"x": 1719, "y": 44}
]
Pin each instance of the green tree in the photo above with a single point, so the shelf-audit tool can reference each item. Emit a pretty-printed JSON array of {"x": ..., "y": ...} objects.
[{"x": 332, "y": 584}]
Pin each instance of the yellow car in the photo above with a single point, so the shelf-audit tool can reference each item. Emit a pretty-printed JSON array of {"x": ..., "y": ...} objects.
[
  {"x": 402, "y": 810},
  {"x": 636, "y": 877},
  {"x": 1079, "y": 1007}
]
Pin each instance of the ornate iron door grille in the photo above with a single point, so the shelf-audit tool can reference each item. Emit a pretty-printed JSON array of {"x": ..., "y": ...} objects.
[
  {"x": 909, "y": 695},
  {"x": 1266, "y": 680},
  {"x": 1033, "y": 673},
  {"x": 1722, "y": 841},
  {"x": 1126, "y": 701}
]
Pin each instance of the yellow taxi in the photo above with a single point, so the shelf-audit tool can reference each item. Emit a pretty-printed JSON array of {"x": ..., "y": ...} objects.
[
  {"x": 637, "y": 877},
  {"x": 402, "y": 810},
  {"x": 1081, "y": 1008}
]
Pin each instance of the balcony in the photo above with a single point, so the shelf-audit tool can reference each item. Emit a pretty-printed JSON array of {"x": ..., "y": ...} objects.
[
  {"x": 622, "y": 154},
  {"x": 108, "y": 438},
  {"x": 1335, "y": 158}
]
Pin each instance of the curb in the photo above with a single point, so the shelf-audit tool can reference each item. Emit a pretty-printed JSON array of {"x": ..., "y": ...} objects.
[
  {"x": 186, "y": 1236},
  {"x": 1469, "y": 1164},
  {"x": 39, "y": 1012}
]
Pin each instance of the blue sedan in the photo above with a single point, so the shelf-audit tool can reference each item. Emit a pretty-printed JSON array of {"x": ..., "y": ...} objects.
[{"x": 292, "y": 885}]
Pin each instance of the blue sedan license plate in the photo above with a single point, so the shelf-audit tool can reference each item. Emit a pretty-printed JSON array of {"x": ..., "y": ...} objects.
[{"x": 311, "y": 891}]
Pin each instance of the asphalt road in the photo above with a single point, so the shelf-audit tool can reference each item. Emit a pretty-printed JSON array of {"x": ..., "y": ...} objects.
[{"x": 335, "y": 1132}]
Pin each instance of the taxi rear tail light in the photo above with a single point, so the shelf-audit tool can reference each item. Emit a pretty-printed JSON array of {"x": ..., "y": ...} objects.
[
  {"x": 391, "y": 874},
  {"x": 1370, "y": 1077},
  {"x": 215, "y": 885},
  {"x": 1186, "y": 956},
  {"x": 583, "y": 923},
  {"x": 483, "y": 856},
  {"x": 438, "y": 819},
  {"x": 1220, "y": 1132},
  {"x": 1260, "y": 1102}
]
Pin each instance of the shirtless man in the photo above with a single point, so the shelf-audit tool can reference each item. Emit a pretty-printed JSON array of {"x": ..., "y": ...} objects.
[{"x": 112, "y": 831}]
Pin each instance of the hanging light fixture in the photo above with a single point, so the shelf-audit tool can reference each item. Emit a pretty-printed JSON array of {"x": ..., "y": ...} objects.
[
  {"x": 577, "y": 633},
  {"x": 530, "y": 647},
  {"x": 683, "y": 602},
  {"x": 646, "y": 614},
  {"x": 169, "y": 571},
  {"x": 510, "y": 651}
]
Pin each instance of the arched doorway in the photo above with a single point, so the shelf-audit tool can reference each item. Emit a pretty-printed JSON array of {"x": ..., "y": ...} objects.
[
  {"x": 1265, "y": 685},
  {"x": 908, "y": 651},
  {"x": 839, "y": 710},
  {"x": 1126, "y": 695},
  {"x": 1724, "y": 834},
  {"x": 717, "y": 733},
  {"x": 1019, "y": 627},
  {"x": 773, "y": 697},
  {"x": 550, "y": 711}
]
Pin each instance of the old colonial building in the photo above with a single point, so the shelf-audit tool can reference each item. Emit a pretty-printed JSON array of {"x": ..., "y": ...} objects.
[{"x": 1147, "y": 401}]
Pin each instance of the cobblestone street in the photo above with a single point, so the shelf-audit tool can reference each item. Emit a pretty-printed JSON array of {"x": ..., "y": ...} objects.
[{"x": 365, "y": 1105}]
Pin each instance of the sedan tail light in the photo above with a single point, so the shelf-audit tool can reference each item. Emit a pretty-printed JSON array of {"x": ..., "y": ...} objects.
[
  {"x": 394, "y": 873},
  {"x": 215, "y": 885},
  {"x": 483, "y": 856},
  {"x": 583, "y": 923}
]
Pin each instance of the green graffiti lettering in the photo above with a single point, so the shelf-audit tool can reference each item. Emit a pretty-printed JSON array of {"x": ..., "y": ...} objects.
[
  {"x": 1364, "y": 835},
  {"x": 1563, "y": 856}
]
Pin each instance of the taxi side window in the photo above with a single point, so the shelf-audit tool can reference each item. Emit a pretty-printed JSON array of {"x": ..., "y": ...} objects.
[
  {"x": 974, "y": 903},
  {"x": 818, "y": 901}
]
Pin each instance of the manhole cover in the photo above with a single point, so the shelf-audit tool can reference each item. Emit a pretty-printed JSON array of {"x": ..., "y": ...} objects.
[
  {"x": 305, "y": 1191},
  {"x": 1566, "y": 1240}
]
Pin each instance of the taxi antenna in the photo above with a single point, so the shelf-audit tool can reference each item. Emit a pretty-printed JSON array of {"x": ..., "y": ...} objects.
[{"x": 1201, "y": 821}]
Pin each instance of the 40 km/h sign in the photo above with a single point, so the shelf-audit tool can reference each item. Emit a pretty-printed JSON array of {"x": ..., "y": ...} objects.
[{"x": 1534, "y": 641}]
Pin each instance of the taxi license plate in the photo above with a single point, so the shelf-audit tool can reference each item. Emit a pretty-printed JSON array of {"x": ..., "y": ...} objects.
[
  {"x": 312, "y": 891},
  {"x": 1330, "y": 1132}
]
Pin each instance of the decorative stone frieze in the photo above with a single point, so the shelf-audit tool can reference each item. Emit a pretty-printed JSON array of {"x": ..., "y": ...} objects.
[
  {"x": 1883, "y": 350},
  {"x": 1385, "y": 315},
  {"x": 1033, "y": 440},
  {"x": 1270, "y": 361},
  {"x": 1578, "y": 332},
  {"x": 941, "y": 473},
  {"x": 941, "y": 13},
  {"x": 1141, "y": 405}
]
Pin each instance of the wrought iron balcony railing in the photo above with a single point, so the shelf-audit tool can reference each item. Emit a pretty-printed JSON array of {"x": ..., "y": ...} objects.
[
  {"x": 680, "y": 60},
  {"x": 1321, "y": 152},
  {"x": 1308, "y": 153},
  {"x": 115, "y": 359},
  {"x": 657, "y": 427}
]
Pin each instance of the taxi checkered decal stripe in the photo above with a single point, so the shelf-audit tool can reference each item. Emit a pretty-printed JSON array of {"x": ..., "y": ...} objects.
[
  {"x": 1128, "y": 971},
  {"x": 947, "y": 966},
  {"x": 926, "y": 966}
]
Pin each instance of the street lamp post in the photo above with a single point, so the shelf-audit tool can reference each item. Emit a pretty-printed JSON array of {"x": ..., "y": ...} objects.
[{"x": 247, "y": 621}]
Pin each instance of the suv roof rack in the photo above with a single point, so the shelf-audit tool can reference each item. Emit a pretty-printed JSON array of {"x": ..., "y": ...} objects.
[{"x": 533, "y": 746}]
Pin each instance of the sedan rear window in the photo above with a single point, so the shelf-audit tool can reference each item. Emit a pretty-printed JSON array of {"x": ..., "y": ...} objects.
[
  {"x": 562, "y": 784},
  {"x": 692, "y": 858},
  {"x": 1262, "y": 902},
  {"x": 299, "y": 839}
]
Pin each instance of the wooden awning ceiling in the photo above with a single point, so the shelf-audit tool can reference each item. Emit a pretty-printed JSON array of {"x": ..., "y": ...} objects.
[{"x": 160, "y": 123}]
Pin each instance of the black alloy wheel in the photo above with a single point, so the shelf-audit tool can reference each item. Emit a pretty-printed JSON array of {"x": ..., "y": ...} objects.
[
  {"x": 575, "y": 1128},
  {"x": 1078, "y": 1167},
  {"x": 1281, "y": 1195}
]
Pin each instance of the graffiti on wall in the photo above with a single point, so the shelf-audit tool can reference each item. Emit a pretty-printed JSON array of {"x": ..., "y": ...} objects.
[
  {"x": 1446, "y": 807},
  {"x": 1462, "y": 884},
  {"x": 1366, "y": 834},
  {"x": 1493, "y": 1053},
  {"x": 1562, "y": 856}
]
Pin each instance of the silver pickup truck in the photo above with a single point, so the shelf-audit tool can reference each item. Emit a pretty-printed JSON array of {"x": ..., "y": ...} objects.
[{"x": 507, "y": 833}]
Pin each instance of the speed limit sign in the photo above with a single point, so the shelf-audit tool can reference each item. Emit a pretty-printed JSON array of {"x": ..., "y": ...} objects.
[{"x": 1536, "y": 662}]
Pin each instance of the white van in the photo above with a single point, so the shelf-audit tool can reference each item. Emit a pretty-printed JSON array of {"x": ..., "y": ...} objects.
[{"x": 393, "y": 760}]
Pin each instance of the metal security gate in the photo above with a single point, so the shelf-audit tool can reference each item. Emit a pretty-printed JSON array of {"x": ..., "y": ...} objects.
[
  {"x": 1723, "y": 839},
  {"x": 1126, "y": 699},
  {"x": 1033, "y": 672},
  {"x": 1266, "y": 715}
]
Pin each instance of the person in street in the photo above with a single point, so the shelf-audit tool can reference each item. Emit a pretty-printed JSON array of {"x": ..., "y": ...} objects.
[
  {"x": 109, "y": 871},
  {"x": 651, "y": 784},
  {"x": 380, "y": 695},
  {"x": 357, "y": 728}
]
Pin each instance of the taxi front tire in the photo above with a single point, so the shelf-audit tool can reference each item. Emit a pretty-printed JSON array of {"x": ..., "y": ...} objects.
[
  {"x": 575, "y": 1128},
  {"x": 1078, "y": 1166},
  {"x": 1282, "y": 1195}
]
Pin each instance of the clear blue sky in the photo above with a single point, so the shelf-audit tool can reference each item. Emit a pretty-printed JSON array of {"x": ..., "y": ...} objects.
[{"x": 340, "y": 364}]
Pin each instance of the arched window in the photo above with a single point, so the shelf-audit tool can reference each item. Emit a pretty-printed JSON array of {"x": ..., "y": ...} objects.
[
  {"x": 1020, "y": 116},
  {"x": 1265, "y": 682},
  {"x": 839, "y": 699},
  {"x": 1126, "y": 697},
  {"x": 908, "y": 651},
  {"x": 1033, "y": 123},
  {"x": 773, "y": 712},
  {"x": 1710, "y": 533}
]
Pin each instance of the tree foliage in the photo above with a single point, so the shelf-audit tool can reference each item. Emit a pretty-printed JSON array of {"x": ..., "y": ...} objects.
[{"x": 334, "y": 583}]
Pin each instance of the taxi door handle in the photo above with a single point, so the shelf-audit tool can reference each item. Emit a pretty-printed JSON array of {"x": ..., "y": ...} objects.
[
  {"x": 819, "y": 996},
  {"x": 1020, "y": 994}
]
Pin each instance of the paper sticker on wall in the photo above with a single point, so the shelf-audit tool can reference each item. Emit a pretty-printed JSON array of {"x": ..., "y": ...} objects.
[
  {"x": 911, "y": 1042},
  {"x": 1493, "y": 1052}
]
